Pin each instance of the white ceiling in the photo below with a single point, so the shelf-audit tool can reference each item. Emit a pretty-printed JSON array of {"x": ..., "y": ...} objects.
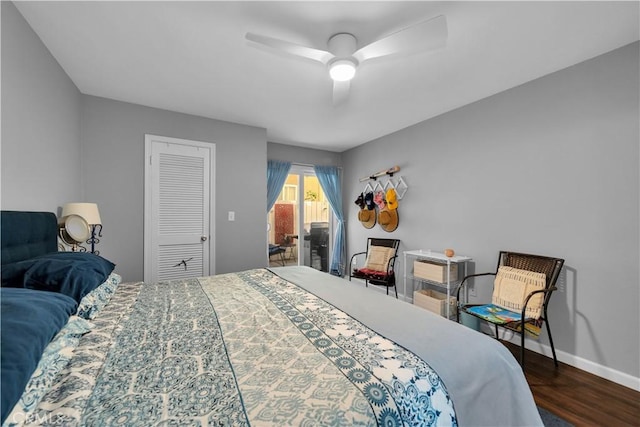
[{"x": 192, "y": 57}]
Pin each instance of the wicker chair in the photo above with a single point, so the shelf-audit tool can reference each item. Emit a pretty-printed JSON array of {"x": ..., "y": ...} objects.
[
  {"x": 381, "y": 255},
  {"x": 550, "y": 267}
]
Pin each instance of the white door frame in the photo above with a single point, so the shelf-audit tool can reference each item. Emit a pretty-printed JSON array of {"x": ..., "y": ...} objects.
[{"x": 149, "y": 139}]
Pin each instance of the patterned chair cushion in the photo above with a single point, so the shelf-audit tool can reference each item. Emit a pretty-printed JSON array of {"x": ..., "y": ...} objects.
[{"x": 367, "y": 273}]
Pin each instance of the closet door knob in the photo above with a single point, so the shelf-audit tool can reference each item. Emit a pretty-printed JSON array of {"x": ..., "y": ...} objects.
[{"x": 203, "y": 238}]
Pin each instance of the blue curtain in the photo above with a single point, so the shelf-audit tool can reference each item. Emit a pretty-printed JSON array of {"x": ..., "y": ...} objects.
[
  {"x": 329, "y": 177},
  {"x": 277, "y": 173}
]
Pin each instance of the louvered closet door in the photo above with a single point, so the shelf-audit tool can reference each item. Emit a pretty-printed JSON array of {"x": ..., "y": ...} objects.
[{"x": 179, "y": 209}]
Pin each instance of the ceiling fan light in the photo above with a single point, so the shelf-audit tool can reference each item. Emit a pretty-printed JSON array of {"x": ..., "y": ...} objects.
[{"x": 342, "y": 70}]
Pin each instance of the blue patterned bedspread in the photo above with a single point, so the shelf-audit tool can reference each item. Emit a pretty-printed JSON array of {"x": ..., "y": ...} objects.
[{"x": 240, "y": 349}]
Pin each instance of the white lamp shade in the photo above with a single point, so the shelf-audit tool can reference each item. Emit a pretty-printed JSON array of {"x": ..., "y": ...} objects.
[{"x": 88, "y": 211}]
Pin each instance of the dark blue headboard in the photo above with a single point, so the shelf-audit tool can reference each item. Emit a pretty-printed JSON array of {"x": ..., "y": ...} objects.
[{"x": 25, "y": 235}]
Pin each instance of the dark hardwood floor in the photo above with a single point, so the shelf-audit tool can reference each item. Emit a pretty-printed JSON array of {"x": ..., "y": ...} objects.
[{"x": 581, "y": 398}]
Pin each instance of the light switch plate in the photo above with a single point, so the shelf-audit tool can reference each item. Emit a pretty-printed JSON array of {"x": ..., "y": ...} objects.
[{"x": 232, "y": 216}]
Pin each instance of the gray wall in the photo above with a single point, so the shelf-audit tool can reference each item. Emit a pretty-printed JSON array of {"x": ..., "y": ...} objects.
[
  {"x": 40, "y": 122},
  {"x": 60, "y": 146},
  {"x": 550, "y": 167},
  {"x": 113, "y": 169},
  {"x": 302, "y": 155}
]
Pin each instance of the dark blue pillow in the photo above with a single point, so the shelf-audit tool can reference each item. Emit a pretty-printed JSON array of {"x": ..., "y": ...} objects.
[
  {"x": 74, "y": 274},
  {"x": 30, "y": 319},
  {"x": 13, "y": 274}
]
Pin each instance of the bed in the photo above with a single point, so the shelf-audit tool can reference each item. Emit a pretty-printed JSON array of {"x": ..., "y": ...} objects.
[{"x": 285, "y": 346}]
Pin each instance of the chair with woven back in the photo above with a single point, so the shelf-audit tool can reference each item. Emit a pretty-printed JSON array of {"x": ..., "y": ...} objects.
[
  {"x": 522, "y": 288},
  {"x": 378, "y": 269}
]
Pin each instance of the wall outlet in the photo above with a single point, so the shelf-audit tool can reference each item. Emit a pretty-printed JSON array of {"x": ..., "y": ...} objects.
[
  {"x": 232, "y": 216},
  {"x": 471, "y": 287}
]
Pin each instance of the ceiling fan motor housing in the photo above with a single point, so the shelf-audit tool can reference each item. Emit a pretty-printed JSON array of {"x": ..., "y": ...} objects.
[{"x": 342, "y": 45}]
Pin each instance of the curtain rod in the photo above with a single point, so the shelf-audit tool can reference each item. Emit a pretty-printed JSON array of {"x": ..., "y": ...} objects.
[{"x": 310, "y": 165}]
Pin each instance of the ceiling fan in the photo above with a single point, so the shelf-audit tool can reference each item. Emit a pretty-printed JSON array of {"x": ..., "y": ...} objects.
[{"x": 343, "y": 58}]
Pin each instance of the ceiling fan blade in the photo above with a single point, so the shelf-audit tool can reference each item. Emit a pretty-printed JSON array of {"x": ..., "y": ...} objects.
[
  {"x": 427, "y": 35},
  {"x": 291, "y": 48},
  {"x": 340, "y": 91}
]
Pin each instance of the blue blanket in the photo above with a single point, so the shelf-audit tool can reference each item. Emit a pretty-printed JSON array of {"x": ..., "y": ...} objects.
[{"x": 30, "y": 319}]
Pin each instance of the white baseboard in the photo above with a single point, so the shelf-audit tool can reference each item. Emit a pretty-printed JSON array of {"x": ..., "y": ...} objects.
[
  {"x": 578, "y": 362},
  {"x": 601, "y": 371}
]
